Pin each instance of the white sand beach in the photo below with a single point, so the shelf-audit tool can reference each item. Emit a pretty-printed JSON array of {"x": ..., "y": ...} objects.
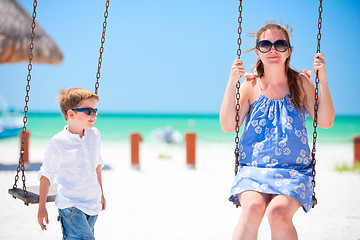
[{"x": 167, "y": 200}]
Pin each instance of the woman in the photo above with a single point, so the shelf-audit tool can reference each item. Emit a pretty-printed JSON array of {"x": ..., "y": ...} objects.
[{"x": 275, "y": 171}]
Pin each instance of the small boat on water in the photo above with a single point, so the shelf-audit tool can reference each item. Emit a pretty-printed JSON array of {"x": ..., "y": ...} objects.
[
  {"x": 166, "y": 135},
  {"x": 10, "y": 121}
]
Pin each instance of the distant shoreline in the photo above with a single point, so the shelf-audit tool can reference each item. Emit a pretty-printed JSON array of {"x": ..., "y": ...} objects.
[{"x": 159, "y": 114}]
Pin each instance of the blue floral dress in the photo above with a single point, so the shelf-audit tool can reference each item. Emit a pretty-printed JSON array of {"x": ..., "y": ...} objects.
[{"x": 274, "y": 155}]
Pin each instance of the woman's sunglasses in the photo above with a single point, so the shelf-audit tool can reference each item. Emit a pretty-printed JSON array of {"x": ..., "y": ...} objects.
[
  {"x": 280, "y": 45},
  {"x": 87, "y": 111}
]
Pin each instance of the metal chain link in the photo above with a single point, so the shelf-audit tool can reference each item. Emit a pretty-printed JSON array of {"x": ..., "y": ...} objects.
[
  {"x": 316, "y": 107},
  {"x": 237, "y": 117},
  {"x": 102, "y": 46},
  {"x": 21, "y": 166}
]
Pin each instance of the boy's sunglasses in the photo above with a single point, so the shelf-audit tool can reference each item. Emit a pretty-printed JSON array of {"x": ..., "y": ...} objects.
[
  {"x": 87, "y": 111},
  {"x": 280, "y": 45}
]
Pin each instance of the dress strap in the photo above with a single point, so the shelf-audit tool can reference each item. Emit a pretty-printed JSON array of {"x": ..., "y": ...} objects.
[{"x": 258, "y": 84}]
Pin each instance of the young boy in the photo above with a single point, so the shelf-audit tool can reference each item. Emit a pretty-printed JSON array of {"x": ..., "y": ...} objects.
[{"x": 73, "y": 157}]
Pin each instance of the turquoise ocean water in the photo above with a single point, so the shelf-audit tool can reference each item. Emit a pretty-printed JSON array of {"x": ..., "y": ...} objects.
[{"x": 118, "y": 127}]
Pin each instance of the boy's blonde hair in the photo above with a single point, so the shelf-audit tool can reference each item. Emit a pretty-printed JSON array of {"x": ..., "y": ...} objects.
[{"x": 73, "y": 98}]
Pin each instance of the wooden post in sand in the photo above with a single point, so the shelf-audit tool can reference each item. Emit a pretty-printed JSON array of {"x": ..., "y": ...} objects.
[
  {"x": 356, "y": 150},
  {"x": 190, "y": 139},
  {"x": 135, "y": 140},
  {"x": 26, "y": 148}
]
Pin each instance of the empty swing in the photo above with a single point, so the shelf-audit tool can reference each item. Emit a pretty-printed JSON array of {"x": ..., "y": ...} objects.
[
  {"x": 31, "y": 194},
  {"x": 316, "y": 105}
]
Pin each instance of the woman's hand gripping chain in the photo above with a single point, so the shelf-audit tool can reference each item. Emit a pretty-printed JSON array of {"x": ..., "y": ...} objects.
[
  {"x": 320, "y": 66},
  {"x": 237, "y": 70}
]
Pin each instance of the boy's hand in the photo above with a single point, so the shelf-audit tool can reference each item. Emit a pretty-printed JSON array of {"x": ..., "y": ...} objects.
[
  {"x": 307, "y": 73},
  {"x": 103, "y": 202},
  {"x": 250, "y": 76},
  {"x": 42, "y": 213}
]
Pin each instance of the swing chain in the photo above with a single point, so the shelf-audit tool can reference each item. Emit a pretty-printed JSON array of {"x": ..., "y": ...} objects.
[
  {"x": 106, "y": 13},
  {"x": 21, "y": 166},
  {"x": 237, "y": 117},
  {"x": 316, "y": 106}
]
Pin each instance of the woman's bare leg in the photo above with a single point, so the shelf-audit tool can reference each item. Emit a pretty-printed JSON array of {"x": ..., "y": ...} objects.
[
  {"x": 253, "y": 206},
  {"x": 281, "y": 210}
]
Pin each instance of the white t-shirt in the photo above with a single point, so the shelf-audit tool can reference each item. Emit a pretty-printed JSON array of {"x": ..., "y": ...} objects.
[{"x": 73, "y": 161}]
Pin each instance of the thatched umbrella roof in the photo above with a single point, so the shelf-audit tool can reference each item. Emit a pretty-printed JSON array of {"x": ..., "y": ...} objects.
[{"x": 15, "y": 31}]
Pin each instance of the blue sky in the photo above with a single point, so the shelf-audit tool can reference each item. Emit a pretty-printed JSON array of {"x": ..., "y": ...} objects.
[{"x": 167, "y": 56}]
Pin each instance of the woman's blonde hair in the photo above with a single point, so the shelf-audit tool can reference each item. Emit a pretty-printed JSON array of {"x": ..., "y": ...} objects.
[
  {"x": 291, "y": 74},
  {"x": 73, "y": 98}
]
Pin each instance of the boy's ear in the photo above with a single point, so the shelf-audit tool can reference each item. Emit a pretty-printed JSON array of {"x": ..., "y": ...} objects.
[{"x": 71, "y": 114}]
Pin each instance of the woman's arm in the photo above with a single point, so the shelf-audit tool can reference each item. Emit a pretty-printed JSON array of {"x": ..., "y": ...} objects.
[
  {"x": 326, "y": 112},
  {"x": 228, "y": 106}
]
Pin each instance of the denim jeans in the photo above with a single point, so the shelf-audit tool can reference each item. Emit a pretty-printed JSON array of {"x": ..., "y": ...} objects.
[{"x": 76, "y": 224}]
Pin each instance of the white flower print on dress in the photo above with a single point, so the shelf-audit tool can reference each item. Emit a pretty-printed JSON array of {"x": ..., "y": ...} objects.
[
  {"x": 278, "y": 179},
  {"x": 255, "y": 152},
  {"x": 257, "y": 148},
  {"x": 304, "y": 132},
  {"x": 300, "y": 188},
  {"x": 286, "y": 181},
  {"x": 272, "y": 112},
  {"x": 286, "y": 151},
  {"x": 269, "y": 133},
  {"x": 302, "y": 195},
  {"x": 258, "y": 129},
  {"x": 244, "y": 175},
  {"x": 263, "y": 107},
  {"x": 258, "y": 125},
  {"x": 302, "y": 153},
  {"x": 293, "y": 173},
  {"x": 271, "y": 116},
  {"x": 310, "y": 184},
  {"x": 302, "y": 136},
  {"x": 282, "y": 149},
  {"x": 273, "y": 163},
  {"x": 287, "y": 122},
  {"x": 262, "y": 122},
  {"x": 254, "y": 123},
  {"x": 257, "y": 187},
  {"x": 289, "y": 105}
]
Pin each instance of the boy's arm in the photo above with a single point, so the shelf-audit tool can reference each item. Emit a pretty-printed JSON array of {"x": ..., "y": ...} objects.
[
  {"x": 42, "y": 212},
  {"x": 98, "y": 173}
]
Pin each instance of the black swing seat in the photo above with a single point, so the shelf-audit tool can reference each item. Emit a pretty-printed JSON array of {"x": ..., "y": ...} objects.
[{"x": 33, "y": 194}]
